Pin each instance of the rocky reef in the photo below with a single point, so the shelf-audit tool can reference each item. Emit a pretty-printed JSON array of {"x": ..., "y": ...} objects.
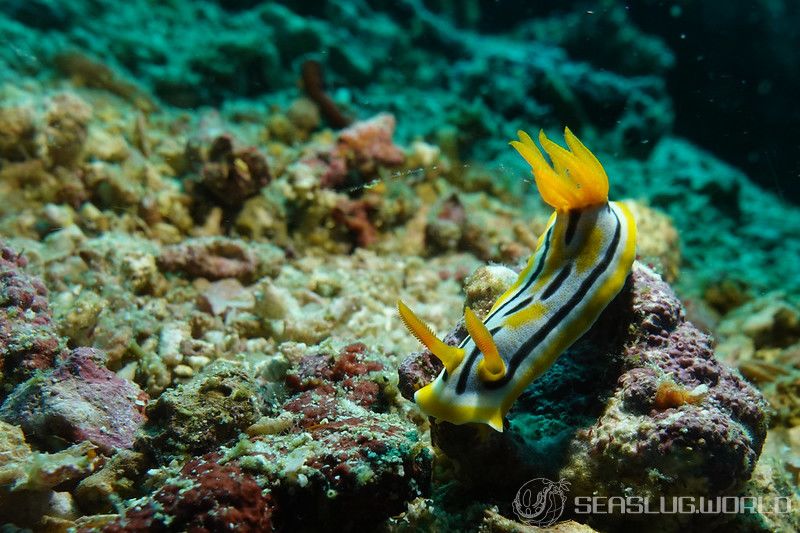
[
  {"x": 30, "y": 480},
  {"x": 204, "y": 232},
  {"x": 639, "y": 405},
  {"x": 264, "y": 447},
  {"x": 333, "y": 451},
  {"x": 79, "y": 400},
  {"x": 28, "y": 341}
]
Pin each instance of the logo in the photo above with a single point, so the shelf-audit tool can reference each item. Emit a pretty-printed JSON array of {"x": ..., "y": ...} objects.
[{"x": 540, "y": 502}]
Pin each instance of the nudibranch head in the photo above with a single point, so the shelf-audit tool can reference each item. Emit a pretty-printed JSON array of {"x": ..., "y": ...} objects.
[
  {"x": 576, "y": 178},
  {"x": 580, "y": 264}
]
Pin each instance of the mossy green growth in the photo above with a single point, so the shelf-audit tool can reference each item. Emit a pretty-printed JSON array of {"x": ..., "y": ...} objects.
[{"x": 197, "y": 417}]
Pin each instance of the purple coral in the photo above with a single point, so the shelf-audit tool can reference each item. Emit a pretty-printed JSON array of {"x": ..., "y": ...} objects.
[
  {"x": 420, "y": 368},
  {"x": 77, "y": 400},
  {"x": 668, "y": 345},
  {"x": 320, "y": 373}
]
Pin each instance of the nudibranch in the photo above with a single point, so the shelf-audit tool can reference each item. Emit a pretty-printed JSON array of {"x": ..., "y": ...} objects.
[{"x": 580, "y": 263}]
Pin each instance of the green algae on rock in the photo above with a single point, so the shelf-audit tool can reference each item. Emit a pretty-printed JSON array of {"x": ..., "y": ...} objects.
[{"x": 197, "y": 417}]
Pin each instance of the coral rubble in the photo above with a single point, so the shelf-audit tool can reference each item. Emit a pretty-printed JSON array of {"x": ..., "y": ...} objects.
[
  {"x": 199, "y": 416},
  {"x": 28, "y": 340},
  {"x": 29, "y": 481},
  {"x": 204, "y": 496},
  {"x": 79, "y": 400}
]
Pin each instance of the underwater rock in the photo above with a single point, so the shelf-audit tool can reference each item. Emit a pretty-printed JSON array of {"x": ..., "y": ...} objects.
[
  {"x": 445, "y": 228},
  {"x": 89, "y": 72},
  {"x": 28, "y": 338},
  {"x": 304, "y": 115},
  {"x": 78, "y": 317},
  {"x": 336, "y": 452},
  {"x": 639, "y": 395},
  {"x": 198, "y": 416},
  {"x": 419, "y": 369},
  {"x": 28, "y": 479},
  {"x": 292, "y": 126},
  {"x": 210, "y": 258},
  {"x": 224, "y": 295},
  {"x": 450, "y": 229},
  {"x": 494, "y": 522},
  {"x": 345, "y": 296},
  {"x": 355, "y": 216},
  {"x": 118, "y": 479},
  {"x": 368, "y": 144},
  {"x": 657, "y": 243},
  {"x": 762, "y": 337},
  {"x": 78, "y": 400},
  {"x": 263, "y": 218},
  {"x": 67, "y": 128},
  {"x": 103, "y": 145},
  {"x": 205, "y": 496},
  {"x": 482, "y": 287},
  {"x": 725, "y": 295},
  {"x": 771, "y": 320},
  {"x": 479, "y": 223},
  {"x": 141, "y": 272},
  {"x": 362, "y": 148},
  {"x": 232, "y": 175},
  {"x": 23, "y": 469},
  {"x": 110, "y": 186},
  {"x": 775, "y": 477},
  {"x": 17, "y": 133}
]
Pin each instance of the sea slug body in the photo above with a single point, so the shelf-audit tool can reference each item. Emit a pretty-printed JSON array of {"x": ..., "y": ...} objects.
[{"x": 580, "y": 264}]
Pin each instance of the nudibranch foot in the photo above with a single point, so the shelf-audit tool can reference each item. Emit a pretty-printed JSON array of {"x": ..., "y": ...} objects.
[{"x": 430, "y": 400}]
